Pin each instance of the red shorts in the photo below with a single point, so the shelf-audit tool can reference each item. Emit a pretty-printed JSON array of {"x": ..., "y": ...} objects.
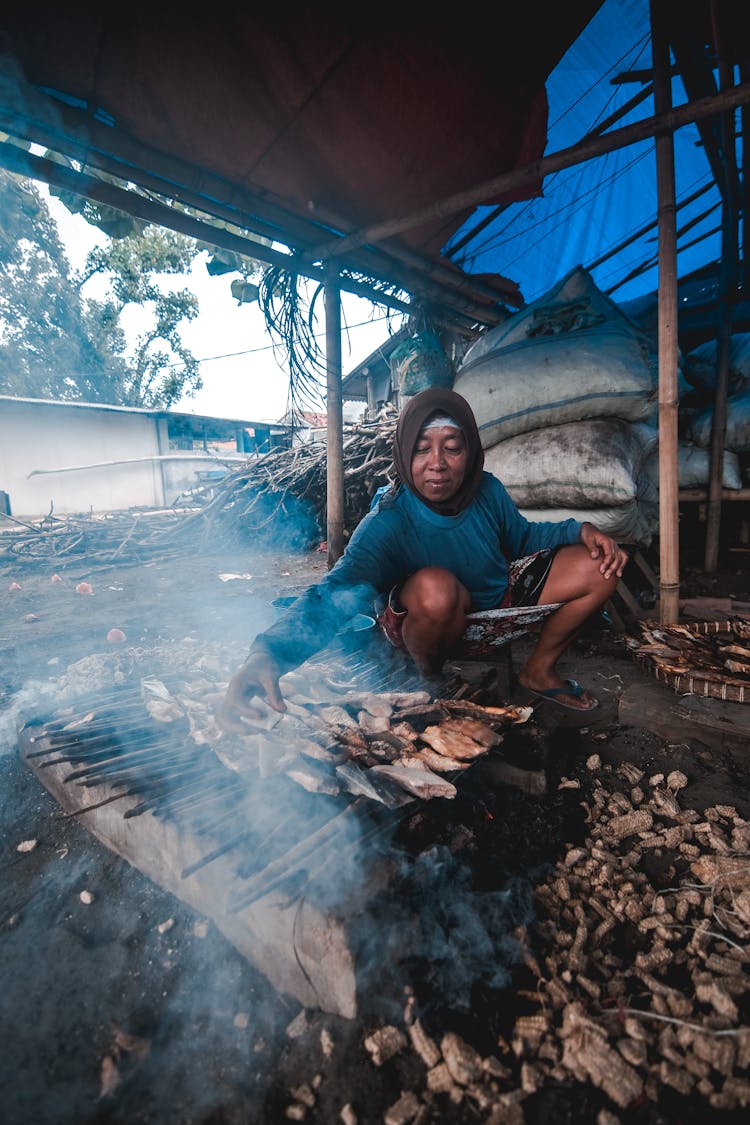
[{"x": 487, "y": 630}]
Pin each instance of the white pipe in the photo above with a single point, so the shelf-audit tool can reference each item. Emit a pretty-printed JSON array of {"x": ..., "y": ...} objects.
[{"x": 240, "y": 459}]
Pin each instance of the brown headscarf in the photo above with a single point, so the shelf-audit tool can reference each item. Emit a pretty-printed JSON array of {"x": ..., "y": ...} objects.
[{"x": 418, "y": 410}]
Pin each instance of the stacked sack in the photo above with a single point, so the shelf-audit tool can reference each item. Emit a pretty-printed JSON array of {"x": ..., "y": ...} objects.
[
  {"x": 565, "y": 397},
  {"x": 693, "y": 468},
  {"x": 700, "y": 371}
]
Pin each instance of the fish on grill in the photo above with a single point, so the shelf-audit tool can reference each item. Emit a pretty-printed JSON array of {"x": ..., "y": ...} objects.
[
  {"x": 164, "y": 710},
  {"x": 373, "y": 724},
  {"x": 506, "y": 715},
  {"x": 390, "y": 746},
  {"x": 426, "y": 757},
  {"x": 404, "y": 730},
  {"x": 337, "y": 716},
  {"x": 312, "y": 749},
  {"x": 453, "y": 738},
  {"x": 377, "y": 702},
  {"x": 313, "y": 780},
  {"x": 362, "y": 782},
  {"x": 421, "y": 783}
]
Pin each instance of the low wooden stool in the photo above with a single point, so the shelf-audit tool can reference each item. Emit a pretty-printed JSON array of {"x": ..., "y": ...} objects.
[
  {"x": 482, "y": 670},
  {"x": 628, "y": 598}
]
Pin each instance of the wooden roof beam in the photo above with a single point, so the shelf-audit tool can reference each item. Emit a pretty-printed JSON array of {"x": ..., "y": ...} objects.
[
  {"x": 453, "y": 309},
  {"x": 516, "y": 178},
  {"x": 74, "y": 133},
  {"x": 697, "y": 74}
]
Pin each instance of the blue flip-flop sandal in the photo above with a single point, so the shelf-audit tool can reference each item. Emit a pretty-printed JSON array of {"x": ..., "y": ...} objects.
[{"x": 570, "y": 687}]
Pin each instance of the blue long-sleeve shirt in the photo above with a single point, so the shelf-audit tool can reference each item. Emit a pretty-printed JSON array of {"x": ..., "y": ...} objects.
[{"x": 401, "y": 535}]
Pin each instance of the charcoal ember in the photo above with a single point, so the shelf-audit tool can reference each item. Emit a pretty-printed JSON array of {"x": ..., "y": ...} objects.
[
  {"x": 463, "y": 1061},
  {"x": 424, "y": 1044},
  {"x": 384, "y": 1043},
  {"x": 588, "y": 1056},
  {"x": 404, "y": 1110}
]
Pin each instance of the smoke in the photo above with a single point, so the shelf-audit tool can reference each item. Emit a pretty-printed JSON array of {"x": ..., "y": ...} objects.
[
  {"x": 274, "y": 521},
  {"x": 467, "y": 935},
  {"x": 34, "y": 697},
  {"x": 185, "y": 623},
  {"x": 434, "y": 928},
  {"x": 95, "y": 954}
]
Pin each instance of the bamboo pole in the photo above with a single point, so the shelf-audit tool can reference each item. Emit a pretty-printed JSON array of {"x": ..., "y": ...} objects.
[
  {"x": 729, "y": 253},
  {"x": 719, "y": 416},
  {"x": 335, "y": 432},
  {"x": 669, "y": 563},
  {"x": 744, "y": 279}
]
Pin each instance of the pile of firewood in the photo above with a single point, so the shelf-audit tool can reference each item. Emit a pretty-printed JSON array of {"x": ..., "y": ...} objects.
[
  {"x": 249, "y": 501},
  {"x": 670, "y": 1012},
  {"x": 256, "y": 494},
  {"x": 112, "y": 537}
]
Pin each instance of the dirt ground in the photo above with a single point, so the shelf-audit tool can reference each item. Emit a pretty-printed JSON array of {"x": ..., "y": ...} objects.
[{"x": 122, "y": 1004}]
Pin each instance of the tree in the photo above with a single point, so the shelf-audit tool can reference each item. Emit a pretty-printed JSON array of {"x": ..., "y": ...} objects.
[
  {"x": 45, "y": 349},
  {"x": 160, "y": 369},
  {"x": 57, "y": 343}
]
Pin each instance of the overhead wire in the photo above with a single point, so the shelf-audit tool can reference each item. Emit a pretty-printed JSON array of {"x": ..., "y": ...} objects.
[
  {"x": 552, "y": 221},
  {"x": 522, "y": 208},
  {"x": 270, "y": 347},
  {"x": 566, "y": 208}
]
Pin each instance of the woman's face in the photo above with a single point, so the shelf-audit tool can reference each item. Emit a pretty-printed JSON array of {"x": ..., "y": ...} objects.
[{"x": 438, "y": 464}]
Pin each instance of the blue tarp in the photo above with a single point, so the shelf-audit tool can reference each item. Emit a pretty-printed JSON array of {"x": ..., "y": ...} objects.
[{"x": 593, "y": 207}]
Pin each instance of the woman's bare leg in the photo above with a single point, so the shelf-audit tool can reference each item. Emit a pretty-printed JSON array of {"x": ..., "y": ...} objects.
[
  {"x": 575, "y": 580},
  {"x": 436, "y": 605}
]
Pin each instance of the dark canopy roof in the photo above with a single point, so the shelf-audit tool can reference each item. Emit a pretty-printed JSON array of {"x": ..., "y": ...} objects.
[
  {"x": 296, "y": 122},
  {"x": 317, "y": 127}
]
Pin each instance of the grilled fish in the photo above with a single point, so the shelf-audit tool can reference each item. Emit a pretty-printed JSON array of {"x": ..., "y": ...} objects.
[{"x": 420, "y": 783}]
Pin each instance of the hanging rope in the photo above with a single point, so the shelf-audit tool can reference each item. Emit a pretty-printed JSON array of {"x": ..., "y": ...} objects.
[{"x": 289, "y": 314}]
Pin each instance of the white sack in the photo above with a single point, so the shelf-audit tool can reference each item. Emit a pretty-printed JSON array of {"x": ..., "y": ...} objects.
[
  {"x": 699, "y": 365},
  {"x": 572, "y": 304},
  {"x": 569, "y": 356},
  {"x": 693, "y": 468},
  {"x": 738, "y": 424},
  {"x": 634, "y": 522},
  {"x": 589, "y": 464}
]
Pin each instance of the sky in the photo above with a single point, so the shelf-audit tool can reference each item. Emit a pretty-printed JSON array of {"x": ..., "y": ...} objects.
[{"x": 242, "y": 376}]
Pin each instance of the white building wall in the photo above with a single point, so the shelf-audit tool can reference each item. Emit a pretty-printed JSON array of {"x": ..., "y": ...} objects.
[{"x": 40, "y": 435}]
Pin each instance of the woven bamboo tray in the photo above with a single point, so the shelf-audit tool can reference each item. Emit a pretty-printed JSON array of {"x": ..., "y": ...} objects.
[{"x": 692, "y": 659}]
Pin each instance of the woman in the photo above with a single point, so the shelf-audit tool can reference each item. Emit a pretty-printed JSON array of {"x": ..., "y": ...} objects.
[{"x": 444, "y": 541}]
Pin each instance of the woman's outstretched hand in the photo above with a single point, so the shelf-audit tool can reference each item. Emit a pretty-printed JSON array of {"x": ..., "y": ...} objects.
[
  {"x": 613, "y": 558},
  {"x": 257, "y": 678}
]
